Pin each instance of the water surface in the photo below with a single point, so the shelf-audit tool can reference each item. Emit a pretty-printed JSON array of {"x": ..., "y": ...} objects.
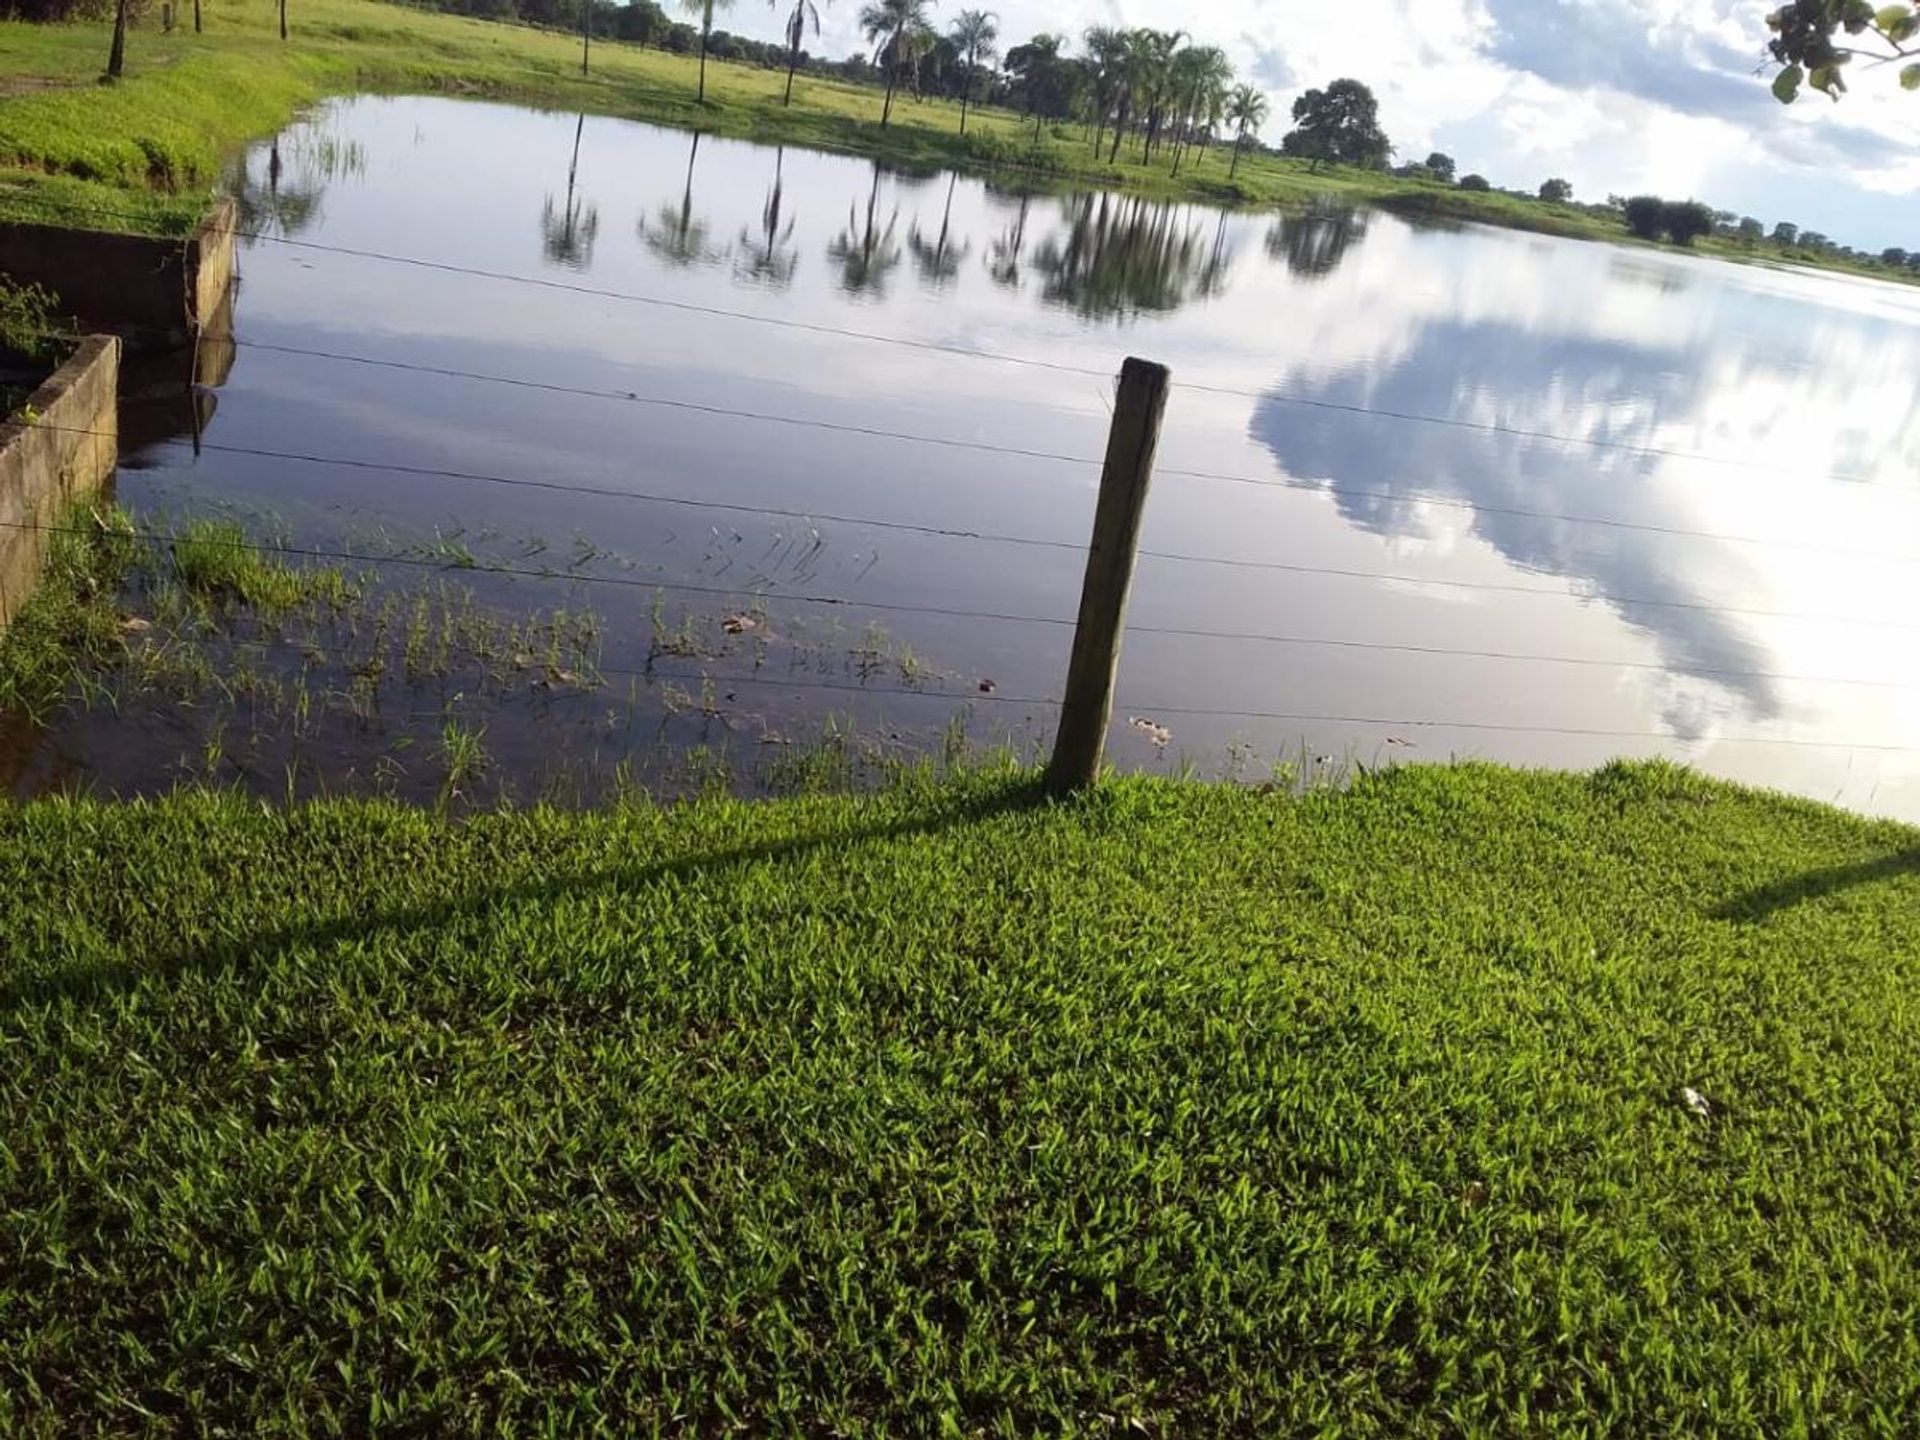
[{"x": 1479, "y": 492}]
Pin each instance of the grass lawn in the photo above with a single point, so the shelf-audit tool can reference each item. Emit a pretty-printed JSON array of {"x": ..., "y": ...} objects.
[
  {"x": 1182, "y": 1110},
  {"x": 153, "y": 143}
]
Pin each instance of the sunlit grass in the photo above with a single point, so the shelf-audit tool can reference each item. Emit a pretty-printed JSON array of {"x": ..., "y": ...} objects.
[{"x": 1183, "y": 1110}]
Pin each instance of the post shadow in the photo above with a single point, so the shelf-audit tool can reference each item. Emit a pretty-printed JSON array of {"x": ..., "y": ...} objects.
[
  {"x": 256, "y": 949},
  {"x": 1816, "y": 885}
]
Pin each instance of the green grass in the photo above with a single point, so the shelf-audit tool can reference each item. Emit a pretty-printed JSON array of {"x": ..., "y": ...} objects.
[
  {"x": 153, "y": 143},
  {"x": 1181, "y": 1110},
  {"x": 216, "y": 562}
]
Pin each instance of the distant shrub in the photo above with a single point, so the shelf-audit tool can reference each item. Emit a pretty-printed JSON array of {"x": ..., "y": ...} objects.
[
  {"x": 1475, "y": 182},
  {"x": 1647, "y": 216},
  {"x": 1686, "y": 221}
]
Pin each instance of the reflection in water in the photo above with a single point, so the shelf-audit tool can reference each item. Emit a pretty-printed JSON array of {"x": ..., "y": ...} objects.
[
  {"x": 866, "y": 254},
  {"x": 1119, "y": 256},
  {"x": 1003, "y": 262},
  {"x": 277, "y": 207},
  {"x": 1599, "y": 390},
  {"x": 770, "y": 256},
  {"x": 567, "y": 235},
  {"x": 939, "y": 260},
  {"x": 1314, "y": 243},
  {"x": 675, "y": 235},
  {"x": 1801, "y": 374}
]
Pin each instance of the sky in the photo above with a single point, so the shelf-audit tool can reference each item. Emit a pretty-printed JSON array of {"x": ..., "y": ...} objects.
[{"x": 1616, "y": 96}]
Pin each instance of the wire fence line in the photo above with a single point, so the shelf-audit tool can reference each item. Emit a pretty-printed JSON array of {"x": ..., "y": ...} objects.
[
  {"x": 748, "y": 592},
  {"x": 811, "y": 423},
  {"x": 991, "y": 537},
  {"x": 1491, "y": 428}
]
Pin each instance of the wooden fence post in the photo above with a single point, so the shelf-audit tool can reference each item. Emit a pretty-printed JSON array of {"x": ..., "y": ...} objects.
[{"x": 1086, "y": 709}]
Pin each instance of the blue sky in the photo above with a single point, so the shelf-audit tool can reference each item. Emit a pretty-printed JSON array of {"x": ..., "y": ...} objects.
[{"x": 1617, "y": 96}]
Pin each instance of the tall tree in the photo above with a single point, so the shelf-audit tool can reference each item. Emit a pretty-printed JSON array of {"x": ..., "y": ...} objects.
[
  {"x": 1132, "y": 86},
  {"x": 1201, "y": 75},
  {"x": 899, "y": 31},
  {"x": 1246, "y": 111},
  {"x": 1815, "y": 40},
  {"x": 976, "y": 37},
  {"x": 1443, "y": 167},
  {"x": 1154, "y": 54},
  {"x": 1556, "y": 191},
  {"x": 1338, "y": 126},
  {"x": 805, "y": 13},
  {"x": 1043, "y": 75},
  {"x": 704, "y": 9},
  {"x": 1108, "y": 51}
]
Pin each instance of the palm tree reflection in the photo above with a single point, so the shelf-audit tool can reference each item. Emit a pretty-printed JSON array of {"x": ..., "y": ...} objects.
[
  {"x": 675, "y": 235},
  {"x": 866, "y": 254},
  {"x": 768, "y": 256},
  {"x": 567, "y": 231}
]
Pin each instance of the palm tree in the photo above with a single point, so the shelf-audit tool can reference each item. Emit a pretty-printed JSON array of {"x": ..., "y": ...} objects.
[
  {"x": 1200, "y": 76},
  {"x": 1246, "y": 110},
  {"x": 805, "y": 13},
  {"x": 1154, "y": 52},
  {"x": 1107, "y": 66},
  {"x": 976, "y": 37},
  {"x": 899, "y": 30},
  {"x": 704, "y": 9}
]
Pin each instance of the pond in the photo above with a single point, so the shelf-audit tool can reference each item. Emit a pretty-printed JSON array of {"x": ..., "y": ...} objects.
[{"x": 800, "y": 446}]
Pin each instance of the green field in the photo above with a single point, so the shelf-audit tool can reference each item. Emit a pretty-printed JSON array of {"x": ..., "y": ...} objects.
[
  {"x": 153, "y": 143},
  {"x": 1181, "y": 1110}
]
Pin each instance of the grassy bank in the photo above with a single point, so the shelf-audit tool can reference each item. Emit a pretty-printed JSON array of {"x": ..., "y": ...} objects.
[
  {"x": 153, "y": 143},
  {"x": 1468, "y": 1101}
]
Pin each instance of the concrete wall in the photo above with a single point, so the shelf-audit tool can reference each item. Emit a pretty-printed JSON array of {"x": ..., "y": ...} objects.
[
  {"x": 159, "y": 291},
  {"x": 45, "y": 464}
]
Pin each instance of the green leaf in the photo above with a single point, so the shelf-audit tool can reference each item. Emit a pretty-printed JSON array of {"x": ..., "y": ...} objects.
[
  {"x": 1889, "y": 16},
  {"x": 1827, "y": 79},
  {"x": 1910, "y": 78},
  {"x": 1786, "y": 85}
]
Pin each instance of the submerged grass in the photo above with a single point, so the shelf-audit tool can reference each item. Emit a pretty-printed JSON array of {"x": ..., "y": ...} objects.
[
  {"x": 1467, "y": 1101},
  {"x": 215, "y": 561}
]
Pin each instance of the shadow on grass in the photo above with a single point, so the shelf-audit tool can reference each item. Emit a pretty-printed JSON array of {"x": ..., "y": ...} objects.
[
  {"x": 1816, "y": 885},
  {"x": 259, "y": 948}
]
